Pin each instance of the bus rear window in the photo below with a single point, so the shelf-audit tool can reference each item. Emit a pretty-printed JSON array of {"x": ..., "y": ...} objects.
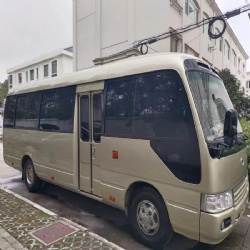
[{"x": 9, "y": 113}]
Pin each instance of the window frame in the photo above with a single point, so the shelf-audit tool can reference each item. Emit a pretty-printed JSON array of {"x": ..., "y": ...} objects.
[
  {"x": 205, "y": 26},
  {"x": 20, "y": 76},
  {"x": 234, "y": 58},
  {"x": 195, "y": 6},
  {"x": 227, "y": 49},
  {"x": 32, "y": 75},
  {"x": 46, "y": 66},
  {"x": 10, "y": 81},
  {"x": 53, "y": 74}
]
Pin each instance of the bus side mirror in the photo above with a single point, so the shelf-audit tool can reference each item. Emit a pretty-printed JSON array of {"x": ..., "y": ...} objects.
[{"x": 230, "y": 123}]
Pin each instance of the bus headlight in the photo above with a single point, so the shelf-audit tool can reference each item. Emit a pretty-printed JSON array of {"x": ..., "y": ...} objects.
[{"x": 217, "y": 203}]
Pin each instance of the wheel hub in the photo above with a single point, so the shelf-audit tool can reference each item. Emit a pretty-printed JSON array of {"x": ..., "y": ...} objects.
[{"x": 148, "y": 217}]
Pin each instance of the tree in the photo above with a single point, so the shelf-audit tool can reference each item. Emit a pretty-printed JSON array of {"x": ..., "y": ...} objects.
[
  {"x": 236, "y": 94},
  {"x": 3, "y": 92}
]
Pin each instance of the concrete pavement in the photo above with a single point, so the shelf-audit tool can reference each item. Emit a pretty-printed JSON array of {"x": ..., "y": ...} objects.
[
  {"x": 5, "y": 170},
  {"x": 25, "y": 225}
]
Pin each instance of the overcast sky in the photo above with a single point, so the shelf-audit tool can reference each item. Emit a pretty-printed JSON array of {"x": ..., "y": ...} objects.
[{"x": 30, "y": 28}]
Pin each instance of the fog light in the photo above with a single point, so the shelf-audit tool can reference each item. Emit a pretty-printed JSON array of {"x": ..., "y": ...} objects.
[{"x": 226, "y": 223}]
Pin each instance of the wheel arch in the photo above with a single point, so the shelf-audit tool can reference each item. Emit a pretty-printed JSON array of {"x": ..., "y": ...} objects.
[{"x": 133, "y": 188}]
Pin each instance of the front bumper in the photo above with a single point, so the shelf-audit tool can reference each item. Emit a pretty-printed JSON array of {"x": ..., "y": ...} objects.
[{"x": 210, "y": 224}]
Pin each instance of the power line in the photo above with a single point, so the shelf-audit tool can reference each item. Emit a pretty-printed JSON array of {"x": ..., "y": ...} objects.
[{"x": 142, "y": 45}]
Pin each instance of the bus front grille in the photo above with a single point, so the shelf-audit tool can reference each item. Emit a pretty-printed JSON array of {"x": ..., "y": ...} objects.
[{"x": 240, "y": 191}]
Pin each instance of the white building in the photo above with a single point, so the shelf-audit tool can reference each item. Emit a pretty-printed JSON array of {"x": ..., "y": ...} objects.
[
  {"x": 53, "y": 64},
  {"x": 103, "y": 28},
  {"x": 247, "y": 87}
]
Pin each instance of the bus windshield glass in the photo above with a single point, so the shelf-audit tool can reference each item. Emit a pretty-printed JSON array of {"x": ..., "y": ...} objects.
[{"x": 212, "y": 102}]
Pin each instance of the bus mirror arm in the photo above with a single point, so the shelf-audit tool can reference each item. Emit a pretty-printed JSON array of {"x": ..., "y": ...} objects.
[
  {"x": 222, "y": 147},
  {"x": 218, "y": 149}
]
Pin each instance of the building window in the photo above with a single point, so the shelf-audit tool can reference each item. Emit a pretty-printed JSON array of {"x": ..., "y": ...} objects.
[
  {"x": 10, "y": 81},
  {"x": 221, "y": 44},
  {"x": 234, "y": 58},
  {"x": 175, "y": 44},
  {"x": 32, "y": 74},
  {"x": 239, "y": 64},
  {"x": 54, "y": 68},
  {"x": 37, "y": 73},
  {"x": 191, "y": 10},
  {"x": 205, "y": 25},
  {"x": 227, "y": 50},
  {"x": 46, "y": 70},
  {"x": 216, "y": 41},
  {"x": 27, "y": 76},
  {"x": 243, "y": 69},
  {"x": 248, "y": 84},
  {"x": 20, "y": 78}
]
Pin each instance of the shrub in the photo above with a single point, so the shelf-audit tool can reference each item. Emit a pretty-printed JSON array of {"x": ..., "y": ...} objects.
[{"x": 246, "y": 128}]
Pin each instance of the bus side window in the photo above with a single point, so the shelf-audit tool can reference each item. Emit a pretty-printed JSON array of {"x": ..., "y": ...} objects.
[
  {"x": 85, "y": 118},
  {"x": 97, "y": 117},
  {"x": 9, "y": 113}
]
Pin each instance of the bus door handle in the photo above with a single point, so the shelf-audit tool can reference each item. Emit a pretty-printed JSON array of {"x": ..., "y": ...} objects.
[{"x": 93, "y": 152}]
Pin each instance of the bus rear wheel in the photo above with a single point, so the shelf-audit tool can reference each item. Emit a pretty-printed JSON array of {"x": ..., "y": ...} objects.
[
  {"x": 32, "y": 181},
  {"x": 149, "y": 219}
]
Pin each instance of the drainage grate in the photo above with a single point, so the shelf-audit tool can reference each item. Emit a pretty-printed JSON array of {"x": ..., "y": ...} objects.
[{"x": 54, "y": 232}]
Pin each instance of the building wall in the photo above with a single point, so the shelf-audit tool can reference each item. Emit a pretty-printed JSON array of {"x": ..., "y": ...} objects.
[
  {"x": 102, "y": 28},
  {"x": 247, "y": 84},
  {"x": 64, "y": 66}
]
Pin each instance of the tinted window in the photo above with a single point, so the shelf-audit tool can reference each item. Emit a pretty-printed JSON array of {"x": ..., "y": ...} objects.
[
  {"x": 27, "y": 110},
  {"x": 97, "y": 117},
  {"x": 85, "y": 118},
  {"x": 161, "y": 107},
  {"x": 21, "y": 111},
  {"x": 32, "y": 110},
  {"x": 9, "y": 113},
  {"x": 119, "y": 112},
  {"x": 148, "y": 105},
  {"x": 57, "y": 110}
]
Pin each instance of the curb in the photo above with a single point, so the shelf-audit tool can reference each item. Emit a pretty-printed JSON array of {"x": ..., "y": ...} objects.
[{"x": 114, "y": 246}]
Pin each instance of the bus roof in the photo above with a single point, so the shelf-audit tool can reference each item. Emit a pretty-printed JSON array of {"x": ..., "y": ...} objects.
[{"x": 129, "y": 66}]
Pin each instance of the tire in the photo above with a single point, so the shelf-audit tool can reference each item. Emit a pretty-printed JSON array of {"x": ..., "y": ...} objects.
[
  {"x": 149, "y": 219},
  {"x": 32, "y": 182}
]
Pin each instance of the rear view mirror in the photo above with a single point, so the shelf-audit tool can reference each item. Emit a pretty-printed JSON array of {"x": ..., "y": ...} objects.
[{"x": 230, "y": 123}]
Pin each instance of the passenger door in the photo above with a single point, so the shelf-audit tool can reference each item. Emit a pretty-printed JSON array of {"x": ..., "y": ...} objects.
[{"x": 90, "y": 124}]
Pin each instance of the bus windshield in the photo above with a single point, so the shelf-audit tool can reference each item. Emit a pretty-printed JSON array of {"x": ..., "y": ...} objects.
[{"x": 212, "y": 102}]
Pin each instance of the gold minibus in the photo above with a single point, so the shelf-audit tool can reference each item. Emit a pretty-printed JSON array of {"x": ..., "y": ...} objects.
[{"x": 155, "y": 136}]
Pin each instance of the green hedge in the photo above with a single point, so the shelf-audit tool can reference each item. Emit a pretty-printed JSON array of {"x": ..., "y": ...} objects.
[{"x": 246, "y": 128}]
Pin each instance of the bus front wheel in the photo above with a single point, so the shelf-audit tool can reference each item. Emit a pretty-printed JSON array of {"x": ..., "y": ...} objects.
[
  {"x": 32, "y": 181},
  {"x": 149, "y": 219}
]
